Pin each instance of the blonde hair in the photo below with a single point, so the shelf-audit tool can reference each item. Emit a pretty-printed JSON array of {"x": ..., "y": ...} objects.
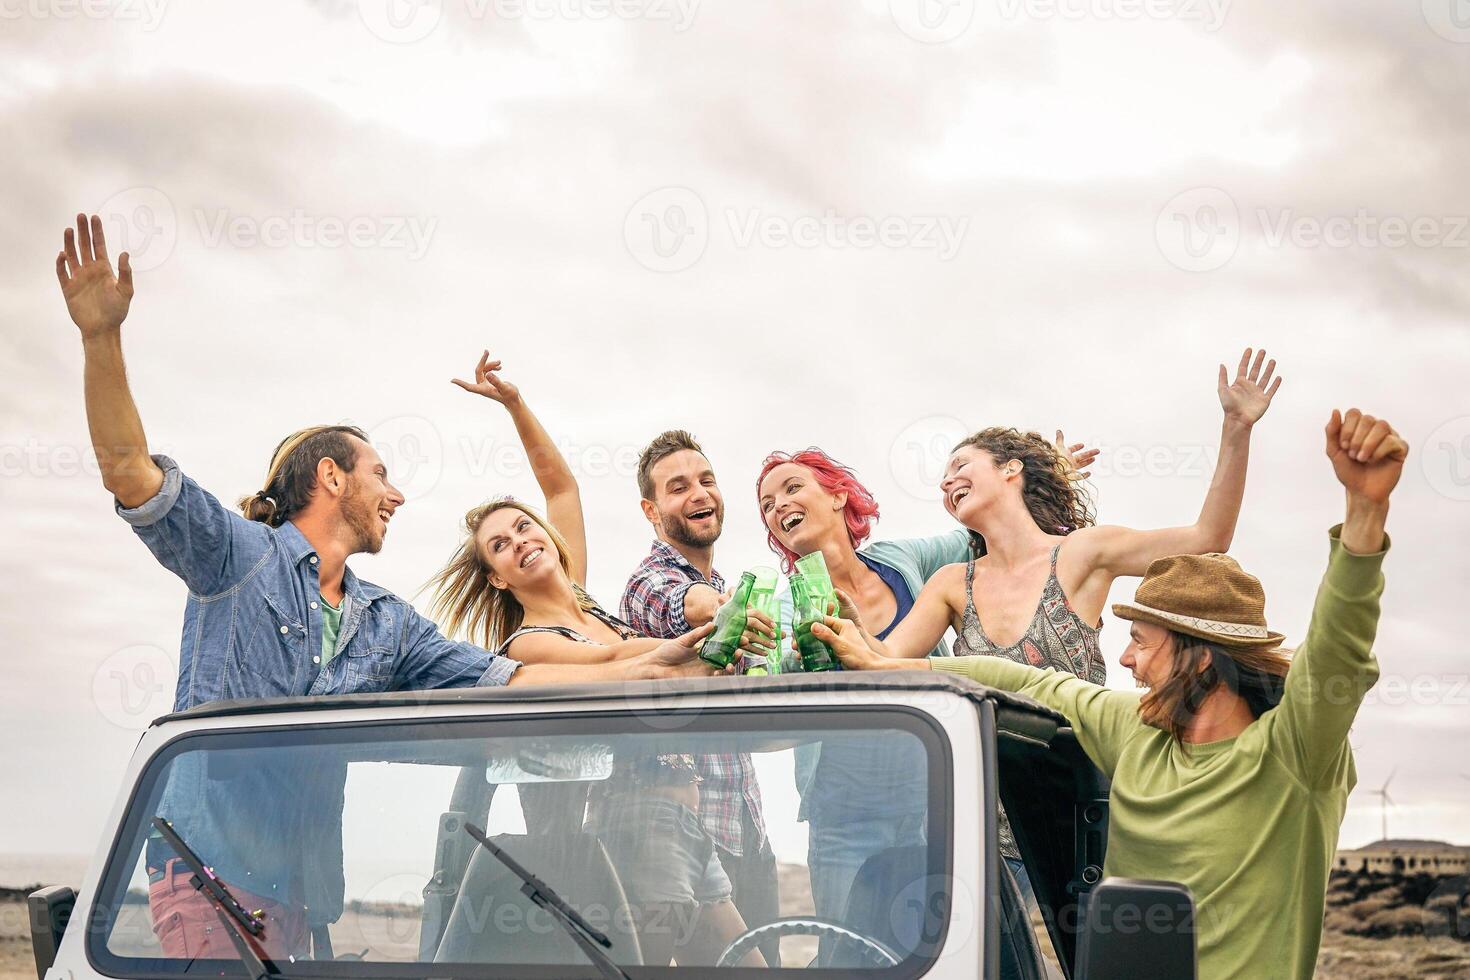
[
  {"x": 467, "y": 603},
  {"x": 292, "y": 474}
]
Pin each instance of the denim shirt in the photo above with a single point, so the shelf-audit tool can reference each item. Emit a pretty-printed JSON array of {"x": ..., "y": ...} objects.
[
  {"x": 253, "y": 629},
  {"x": 253, "y": 622}
]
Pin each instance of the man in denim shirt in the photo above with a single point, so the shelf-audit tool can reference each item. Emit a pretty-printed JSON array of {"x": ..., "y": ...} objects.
[{"x": 273, "y": 611}]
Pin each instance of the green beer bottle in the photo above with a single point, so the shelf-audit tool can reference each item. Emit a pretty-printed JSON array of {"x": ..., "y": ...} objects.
[
  {"x": 808, "y": 607},
  {"x": 763, "y": 599},
  {"x": 813, "y": 568},
  {"x": 722, "y": 647}
]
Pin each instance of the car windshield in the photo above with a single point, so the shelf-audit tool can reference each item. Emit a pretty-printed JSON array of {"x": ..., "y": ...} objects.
[{"x": 733, "y": 838}]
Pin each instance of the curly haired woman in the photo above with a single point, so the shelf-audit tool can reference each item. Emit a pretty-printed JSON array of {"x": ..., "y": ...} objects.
[{"x": 1035, "y": 595}]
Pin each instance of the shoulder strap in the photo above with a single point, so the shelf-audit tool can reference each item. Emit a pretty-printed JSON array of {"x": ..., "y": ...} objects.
[
  {"x": 562, "y": 631},
  {"x": 969, "y": 577}
]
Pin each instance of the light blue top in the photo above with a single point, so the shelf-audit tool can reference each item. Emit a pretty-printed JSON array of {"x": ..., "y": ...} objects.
[{"x": 917, "y": 560}]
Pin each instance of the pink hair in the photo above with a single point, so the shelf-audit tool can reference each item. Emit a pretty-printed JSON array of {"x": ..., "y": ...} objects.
[{"x": 861, "y": 510}]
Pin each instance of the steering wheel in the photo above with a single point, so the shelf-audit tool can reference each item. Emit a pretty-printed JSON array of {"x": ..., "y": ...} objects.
[{"x": 870, "y": 952}]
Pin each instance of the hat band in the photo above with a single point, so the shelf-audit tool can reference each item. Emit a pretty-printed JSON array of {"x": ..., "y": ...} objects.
[{"x": 1209, "y": 625}]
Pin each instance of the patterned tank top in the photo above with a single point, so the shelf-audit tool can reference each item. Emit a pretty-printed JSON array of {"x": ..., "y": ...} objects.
[
  {"x": 630, "y": 772},
  {"x": 1057, "y": 638}
]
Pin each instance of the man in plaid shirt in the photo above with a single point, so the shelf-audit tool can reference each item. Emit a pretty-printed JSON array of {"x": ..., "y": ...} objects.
[{"x": 676, "y": 589}]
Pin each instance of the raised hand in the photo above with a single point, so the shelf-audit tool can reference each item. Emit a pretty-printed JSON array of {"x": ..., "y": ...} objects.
[
  {"x": 1077, "y": 455},
  {"x": 96, "y": 299},
  {"x": 1367, "y": 454},
  {"x": 488, "y": 384},
  {"x": 1249, "y": 395}
]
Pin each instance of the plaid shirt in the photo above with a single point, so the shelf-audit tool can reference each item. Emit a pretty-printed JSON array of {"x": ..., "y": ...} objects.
[{"x": 653, "y": 604}]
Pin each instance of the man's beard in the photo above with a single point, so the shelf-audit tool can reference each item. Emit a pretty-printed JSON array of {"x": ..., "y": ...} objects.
[
  {"x": 367, "y": 538},
  {"x": 679, "y": 530}
]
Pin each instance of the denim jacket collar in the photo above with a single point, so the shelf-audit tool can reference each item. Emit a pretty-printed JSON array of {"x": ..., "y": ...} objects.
[{"x": 297, "y": 547}]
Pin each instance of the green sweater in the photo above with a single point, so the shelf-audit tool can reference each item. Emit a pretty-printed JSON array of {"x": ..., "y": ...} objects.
[{"x": 1249, "y": 823}]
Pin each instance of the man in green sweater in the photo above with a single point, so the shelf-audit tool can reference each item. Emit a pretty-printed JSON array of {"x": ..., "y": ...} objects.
[{"x": 1231, "y": 773}]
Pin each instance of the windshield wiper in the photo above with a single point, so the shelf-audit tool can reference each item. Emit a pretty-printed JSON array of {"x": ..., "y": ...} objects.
[
  {"x": 592, "y": 943},
  {"x": 237, "y": 919}
]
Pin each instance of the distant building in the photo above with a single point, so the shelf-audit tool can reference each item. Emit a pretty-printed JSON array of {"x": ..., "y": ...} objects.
[{"x": 1406, "y": 857}]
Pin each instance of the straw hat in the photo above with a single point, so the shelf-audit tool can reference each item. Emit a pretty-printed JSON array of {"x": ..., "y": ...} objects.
[{"x": 1208, "y": 596}]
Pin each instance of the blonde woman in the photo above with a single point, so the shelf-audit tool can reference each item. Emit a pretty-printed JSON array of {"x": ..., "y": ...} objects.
[{"x": 517, "y": 585}]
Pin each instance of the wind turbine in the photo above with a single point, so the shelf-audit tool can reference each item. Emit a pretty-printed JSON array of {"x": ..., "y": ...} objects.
[{"x": 1386, "y": 800}]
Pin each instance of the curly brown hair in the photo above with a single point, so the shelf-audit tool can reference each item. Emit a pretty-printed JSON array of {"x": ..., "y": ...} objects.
[{"x": 1058, "y": 502}]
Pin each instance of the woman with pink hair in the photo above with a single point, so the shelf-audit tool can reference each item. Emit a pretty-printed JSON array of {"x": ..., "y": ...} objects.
[{"x": 859, "y": 795}]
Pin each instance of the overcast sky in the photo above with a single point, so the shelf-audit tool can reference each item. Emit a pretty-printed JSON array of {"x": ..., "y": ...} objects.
[{"x": 869, "y": 226}]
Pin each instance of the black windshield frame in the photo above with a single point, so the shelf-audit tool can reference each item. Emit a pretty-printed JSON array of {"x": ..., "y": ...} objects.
[{"x": 124, "y": 851}]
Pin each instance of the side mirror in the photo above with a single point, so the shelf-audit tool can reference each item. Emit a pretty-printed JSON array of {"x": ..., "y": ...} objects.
[
  {"x": 50, "y": 909},
  {"x": 1135, "y": 928}
]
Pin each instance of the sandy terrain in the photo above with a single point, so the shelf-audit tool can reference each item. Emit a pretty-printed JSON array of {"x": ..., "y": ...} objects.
[{"x": 1344, "y": 957}]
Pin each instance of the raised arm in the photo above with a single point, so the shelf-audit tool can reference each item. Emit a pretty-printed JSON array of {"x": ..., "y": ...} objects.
[
  {"x": 553, "y": 475},
  {"x": 1114, "y": 551},
  {"x": 1334, "y": 666},
  {"x": 98, "y": 303}
]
